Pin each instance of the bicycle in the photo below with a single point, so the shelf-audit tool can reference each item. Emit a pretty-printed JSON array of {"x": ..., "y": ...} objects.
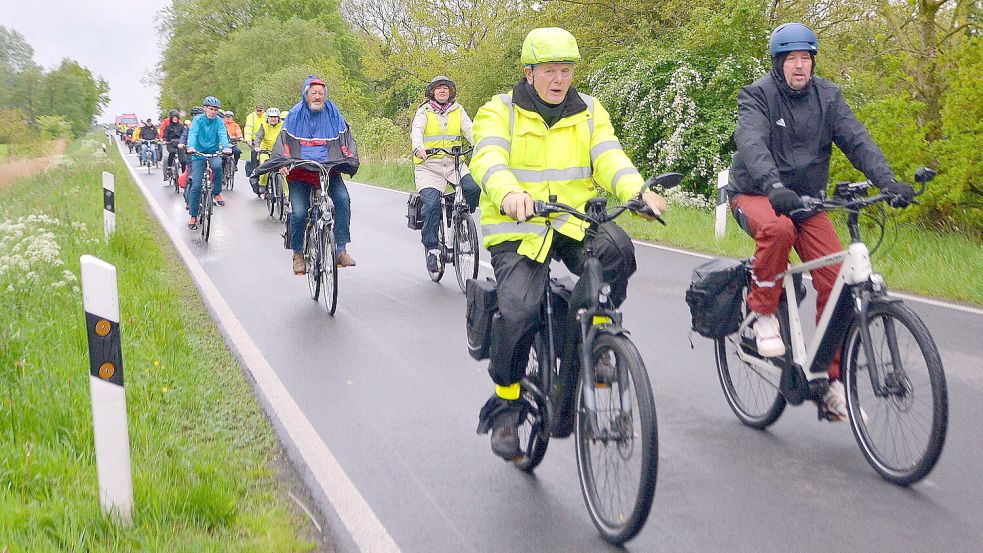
[
  {"x": 148, "y": 154},
  {"x": 878, "y": 364},
  {"x": 274, "y": 195},
  {"x": 456, "y": 216},
  {"x": 173, "y": 171},
  {"x": 229, "y": 169},
  {"x": 613, "y": 419},
  {"x": 207, "y": 200}
]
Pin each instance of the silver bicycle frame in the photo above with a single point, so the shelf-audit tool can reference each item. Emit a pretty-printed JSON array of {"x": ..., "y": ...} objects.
[{"x": 856, "y": 269}]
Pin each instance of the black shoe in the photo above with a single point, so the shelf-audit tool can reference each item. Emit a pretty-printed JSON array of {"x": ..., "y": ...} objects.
[
  {"x": 432, "y": 263},
  {"x": 505, "y": 442}
]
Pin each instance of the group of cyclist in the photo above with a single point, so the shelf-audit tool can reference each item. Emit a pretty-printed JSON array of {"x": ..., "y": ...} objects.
[{"x": 543, "y": 139}]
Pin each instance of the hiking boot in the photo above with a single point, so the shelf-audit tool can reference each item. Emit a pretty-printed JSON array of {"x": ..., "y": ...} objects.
[
  {"x": 505, "y": 442},
  {"x": 768, "y": 336},
  {"x": 834, "y": 402},
  {"x": 432, "y": 260},
  {"x": 218, "y": 200},
  {"x": 345, "y": 260},
  {"x": 300, "y": 264}
]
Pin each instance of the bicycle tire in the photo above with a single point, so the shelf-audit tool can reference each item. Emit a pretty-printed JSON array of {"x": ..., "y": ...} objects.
[
  {"x": 442, "y": 246},
  {"x": 279, "y": 201},
  {"x": 232, "y": 174},
  {"x": 618, "y": 523},
  {"x": 864, "y": 413},
  {"x": 465, "y": 249},
  {"x": 753, "y": 396},
  {"x": 329, "y": 269},
  {"x": 313, "y": 261},
  {"x": 534, "y": 433}
]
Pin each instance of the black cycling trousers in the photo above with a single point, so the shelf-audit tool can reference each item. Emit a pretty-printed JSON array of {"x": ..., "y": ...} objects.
[{"x": 522, "y": 281}]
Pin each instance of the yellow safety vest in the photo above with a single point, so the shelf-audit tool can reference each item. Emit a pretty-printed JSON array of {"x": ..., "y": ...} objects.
[
  {"x": 516, "y": 152},
  {"x": 270, "y": 132},
  {"x": 435, "y": 137}
]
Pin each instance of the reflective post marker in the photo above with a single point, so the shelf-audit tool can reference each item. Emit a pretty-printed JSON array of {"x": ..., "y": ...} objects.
[
  {"x": 108, "y": 202},
  {"x": 101, "y": 303},
  {"x": 720, "y": 224}
]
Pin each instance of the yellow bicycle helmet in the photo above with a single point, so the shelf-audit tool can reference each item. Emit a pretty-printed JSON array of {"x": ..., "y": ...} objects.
[{"x": 549, "y": 45}]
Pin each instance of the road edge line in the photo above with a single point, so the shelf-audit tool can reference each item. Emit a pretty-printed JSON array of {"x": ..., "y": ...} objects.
[{"x": 296, "y": 433}]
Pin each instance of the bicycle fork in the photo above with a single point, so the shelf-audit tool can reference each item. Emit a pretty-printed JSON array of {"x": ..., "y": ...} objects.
[{"x": 886, "y": 378}]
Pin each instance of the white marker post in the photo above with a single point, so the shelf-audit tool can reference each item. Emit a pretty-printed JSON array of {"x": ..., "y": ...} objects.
[
  {"x": 109, "y": 203},
  {"x": 101, "y": 303},
  {"x": 720, "y": 225}
]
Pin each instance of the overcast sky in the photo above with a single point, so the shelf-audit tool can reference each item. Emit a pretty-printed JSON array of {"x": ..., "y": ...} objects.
[{"x": 115, "y": 39}]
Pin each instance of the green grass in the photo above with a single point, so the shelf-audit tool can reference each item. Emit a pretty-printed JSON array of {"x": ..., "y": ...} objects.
[
  {"x": 202, "y": 451},
  {"x": 914, "y": 259},
  {"x": 3, "y": 151}
]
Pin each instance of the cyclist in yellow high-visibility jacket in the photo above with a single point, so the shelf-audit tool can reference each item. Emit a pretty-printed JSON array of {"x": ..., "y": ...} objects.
[
  {"x": 543, "y": 139},
  {"x": 266, "y": 135}
]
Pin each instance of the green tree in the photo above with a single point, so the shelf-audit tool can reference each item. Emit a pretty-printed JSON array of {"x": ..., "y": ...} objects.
[{"x": 71, "y": 92}]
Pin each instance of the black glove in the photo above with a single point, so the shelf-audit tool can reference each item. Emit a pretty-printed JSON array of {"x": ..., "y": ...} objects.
[
  {"x": 903, "y": 193},
  {"x": 783, "y": 200}
]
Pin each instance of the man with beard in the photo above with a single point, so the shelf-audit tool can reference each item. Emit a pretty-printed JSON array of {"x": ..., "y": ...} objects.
[
  {"x": 315, "y": 130},
  {"x": 786, "y": 124}
]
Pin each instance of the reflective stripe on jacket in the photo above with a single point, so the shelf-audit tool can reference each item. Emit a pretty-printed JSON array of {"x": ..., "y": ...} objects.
[
  {"x": 516, "y": 152},
  {"x": 436, "y": 137}
]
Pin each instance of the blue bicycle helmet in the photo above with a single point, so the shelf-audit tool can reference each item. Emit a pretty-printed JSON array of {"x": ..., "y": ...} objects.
[
  {"x": 792, "y": 37},
  {"x": 212, "y": 101}
]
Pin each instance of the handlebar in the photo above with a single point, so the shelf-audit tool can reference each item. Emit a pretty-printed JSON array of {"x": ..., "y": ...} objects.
[
  {"x": 456, "y": 151},
  {"x": 852, "y": 196},
  {"x": 216, "y": 154},
  {"x": 596, "y": 208}
]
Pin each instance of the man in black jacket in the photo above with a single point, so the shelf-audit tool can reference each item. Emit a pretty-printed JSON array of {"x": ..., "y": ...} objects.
[
  {"x": 172, "y": 135},
  {"x": 786, "y": 124}
]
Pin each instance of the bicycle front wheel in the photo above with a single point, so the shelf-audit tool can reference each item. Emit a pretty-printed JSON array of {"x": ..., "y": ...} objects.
[
  {"x": 329, "y": 269},
  {"x": 465, "y": 249},
  {"x": 618, "y": 463},
  {"x": 898, "y": 402},
  {"x": 752, "y": 392},
  {"x": 207, "y": 203},
  {"x": 313, "y": 261}
]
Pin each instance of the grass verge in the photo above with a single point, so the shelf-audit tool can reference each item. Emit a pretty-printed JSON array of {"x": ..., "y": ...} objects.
[
  {"x": 202, "y": 451},
  {"x": 914, "y": 259}
]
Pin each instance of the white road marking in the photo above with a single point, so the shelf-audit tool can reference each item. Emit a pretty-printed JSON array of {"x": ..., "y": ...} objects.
[{"x": 365, "y": 529}]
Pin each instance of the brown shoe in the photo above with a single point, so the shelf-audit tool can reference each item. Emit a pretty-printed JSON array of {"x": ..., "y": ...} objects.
[
  {"x": 345, "y": 260},
  {"x": 300, "y": 265}
]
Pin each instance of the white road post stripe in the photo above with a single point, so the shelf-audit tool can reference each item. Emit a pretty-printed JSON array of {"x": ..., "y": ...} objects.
[
  {"x": 108, "y": 203},
  {"x": 101, "y": 303},
  {"x": 720, "y": 225}
]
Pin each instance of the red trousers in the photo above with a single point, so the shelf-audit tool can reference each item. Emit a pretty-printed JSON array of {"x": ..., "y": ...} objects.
[{"x": 774, "y": 237}]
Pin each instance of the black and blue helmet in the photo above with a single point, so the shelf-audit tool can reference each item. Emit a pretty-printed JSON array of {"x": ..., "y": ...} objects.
[{"x": 792, "y": 37}]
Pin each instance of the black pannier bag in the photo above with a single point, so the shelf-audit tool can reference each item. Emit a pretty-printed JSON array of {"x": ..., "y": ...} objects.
[
  {"x": 482, "y": 298},
  {"x": 414, "y": 219},
  {"x": 714, "y": 297}
]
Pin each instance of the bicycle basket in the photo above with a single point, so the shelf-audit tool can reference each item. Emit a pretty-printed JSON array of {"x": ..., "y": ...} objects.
[
  {"x": 414, "y": 219},
  {"x": 714, "y": 297},
  {"x": 482, "y": 309}
]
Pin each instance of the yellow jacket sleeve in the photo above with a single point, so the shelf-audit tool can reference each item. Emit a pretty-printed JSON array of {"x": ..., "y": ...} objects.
[
  {"x": 490, "y": 162},
  {"x": 613, "y": 170}
]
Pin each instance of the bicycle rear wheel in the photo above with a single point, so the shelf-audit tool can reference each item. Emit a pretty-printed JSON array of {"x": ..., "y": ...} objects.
[
  {"x": 442, "y": 246},
  {"x": 752, "y": 393},
  {"x": 465, "y": 249},
  {"x": 329, "y": 269},
  {"x": 270, "y": 196},
  {"x": 618, "y": 466},
  {"x": 313, "y": 261},
  {"x": 900, "y": 431},
  {"x": 232, "y": 174},
  {"x": 534, "y": 434}
]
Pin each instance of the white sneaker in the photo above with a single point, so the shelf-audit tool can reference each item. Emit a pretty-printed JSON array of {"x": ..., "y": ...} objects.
[
  {"x": 835, "y": 402},
  {"x": 768, "y": 336}
]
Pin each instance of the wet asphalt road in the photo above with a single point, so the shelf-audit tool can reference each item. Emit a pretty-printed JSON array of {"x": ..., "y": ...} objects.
[{"x": 388, "y": 384}]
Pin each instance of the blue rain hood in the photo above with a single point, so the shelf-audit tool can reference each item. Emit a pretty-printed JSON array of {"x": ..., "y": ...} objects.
[{"x": 314, "y": 130}]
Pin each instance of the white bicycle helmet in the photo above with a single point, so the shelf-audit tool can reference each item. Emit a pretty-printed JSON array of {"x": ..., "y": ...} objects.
[{"x": 273, "y": 112}]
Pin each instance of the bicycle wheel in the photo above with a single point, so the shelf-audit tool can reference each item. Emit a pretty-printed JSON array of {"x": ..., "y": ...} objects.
[
  {"x": 901, "y": 430},
  {"x": 232, "y": 174},
  {"x": 442, "y": 246},
  {"x": 465, "y": 249},
  {"x": 752, "y": 393},
  {"x": 329, "y": 269},
  {"x": 313, "y": 261},
  {"x": 618, "y": 466},
  {"x": 534, "y": 434},
  {"x": 207, "y": 202},
  {"x": 270, "y": 197},
  {"x": 279, "y": 201}
]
